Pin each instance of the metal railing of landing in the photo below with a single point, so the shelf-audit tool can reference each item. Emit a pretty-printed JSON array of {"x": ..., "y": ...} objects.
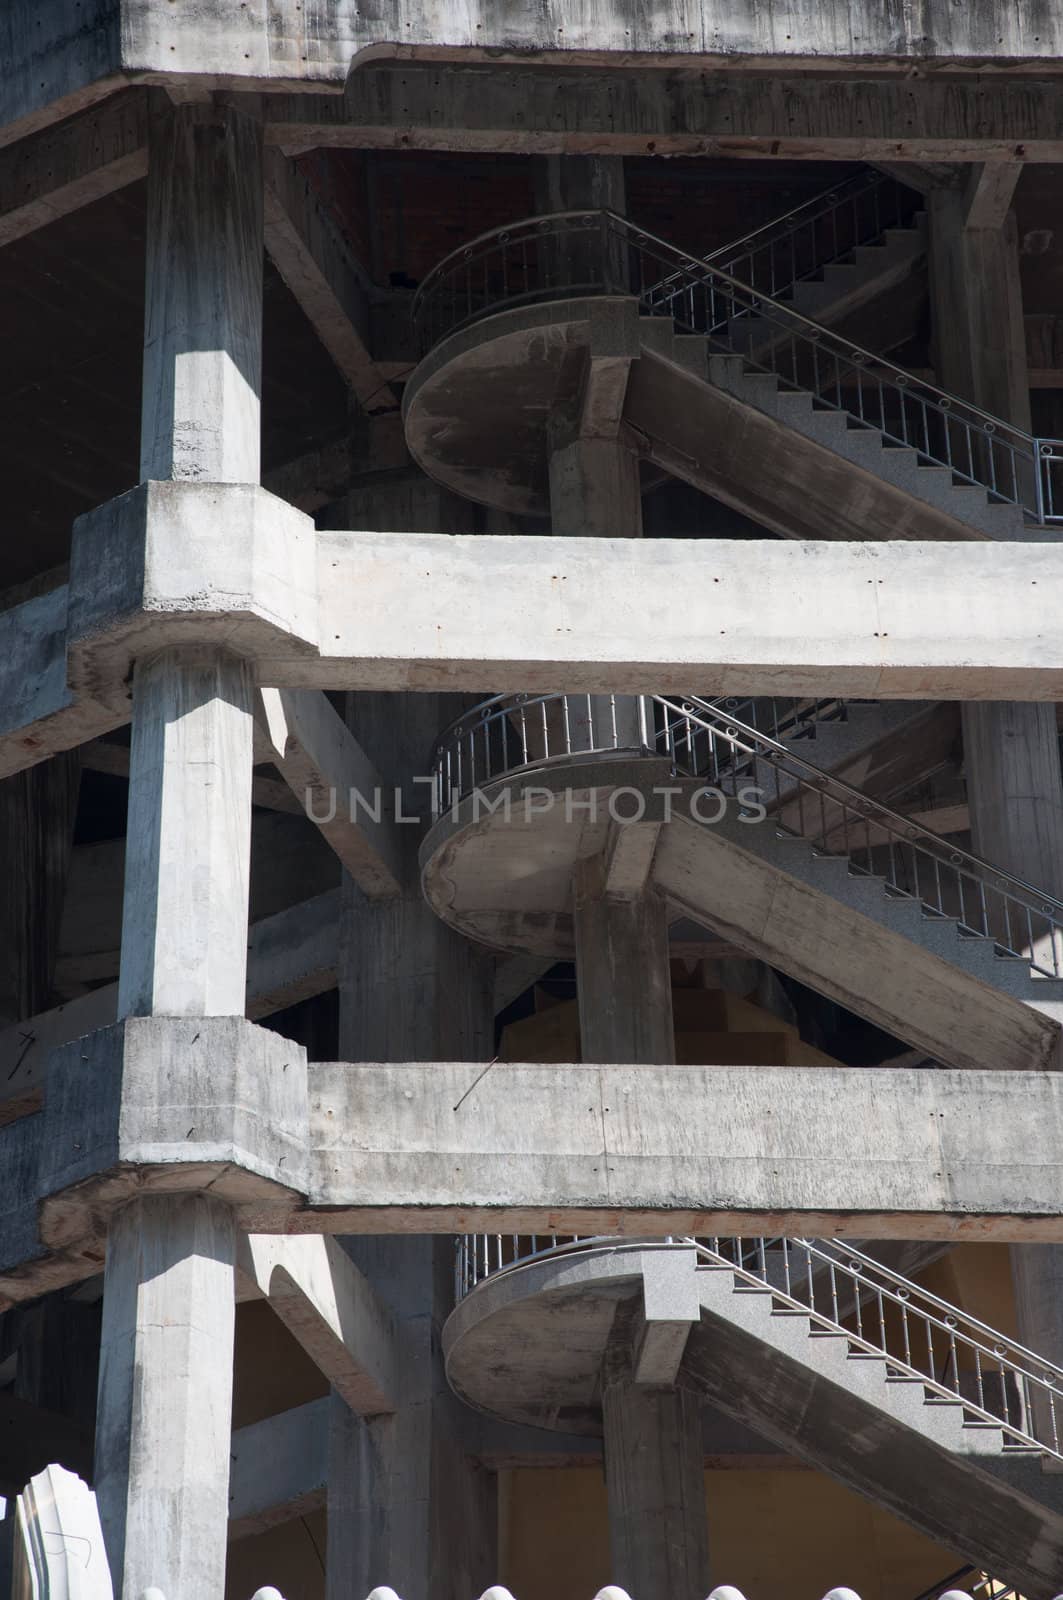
[
  {"x": 707, "y": 741},
  {"x": 513, "y": 732},
  {"x": 795, "y": 247},
  {"x": 842, "y": 1291},
  {"x": 575, "y": 254}
]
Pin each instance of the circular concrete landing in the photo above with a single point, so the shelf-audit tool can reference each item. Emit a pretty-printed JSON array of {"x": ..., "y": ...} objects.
[
  {"x": 476, "y": 407},
  {"x": 504, "y": 876},
  {"x": 526, "y": 1344}
]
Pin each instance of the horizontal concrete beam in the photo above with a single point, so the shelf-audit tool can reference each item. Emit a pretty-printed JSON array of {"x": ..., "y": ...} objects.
[
  {"x": 59, "y": 57},
  {"x": 484, "y": 613},
  {"x": 626, "y": 111},
  {"x": 878, "y": 1153},
  {"x": 278, "y": 1469},
  {"x": 445, "y": 1147},
  {"x": 897, "y": 620},
  {"x": 537, "y": 109}
]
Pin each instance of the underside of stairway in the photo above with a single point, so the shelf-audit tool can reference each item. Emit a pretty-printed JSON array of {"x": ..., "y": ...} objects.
[{"x": 880, "y": 1435}]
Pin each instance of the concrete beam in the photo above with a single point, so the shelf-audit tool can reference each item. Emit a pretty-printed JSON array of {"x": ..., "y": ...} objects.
[
  {"x": 317, "y": 264},
  {"x": 334, "y": 1313},
  {"x": 873, "y": 1153},
  {"x": 917, "y": 121},
  {"x": 897, "y": 620},
  {"x": 290, "y": 957},
  {"x": 337, "y": 785},
  {"x": 989, "y": 192},
  {"x": 970, "y": 621},
  {"x": 629, "y": 855},
  {"x": 39, "y": 714},
  {"x": 99, "y": 755},
  {"x": 61, "y": 169},
  {"x": 278, "y": 1469},
  {"x": 59, "y": 64}
]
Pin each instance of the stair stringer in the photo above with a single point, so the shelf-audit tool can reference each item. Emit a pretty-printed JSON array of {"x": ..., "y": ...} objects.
[
  {"x": 846, "y": 286},
  {"x": 821, "y": 483},
  {"x": 730, "y": 876},
  {"x": 876, "y": 1436}
]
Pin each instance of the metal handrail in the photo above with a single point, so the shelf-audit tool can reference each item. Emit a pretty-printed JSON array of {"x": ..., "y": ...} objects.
[
  {"x": 569, "y": 253},
  {"x": 705, "y": 741},
  {"x": 924, "y": 1337},
  {"x": 883, "y": 816},
  {"x": 782, "y": 714},
  {"x": 755, "y": 258}
]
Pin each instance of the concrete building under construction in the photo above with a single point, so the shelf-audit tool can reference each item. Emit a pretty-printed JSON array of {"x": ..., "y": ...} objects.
[{"x": 531, "y": 823}]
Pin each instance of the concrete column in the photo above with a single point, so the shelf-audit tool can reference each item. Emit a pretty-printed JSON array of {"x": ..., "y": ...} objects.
[
  {"x": 188, "y": 849},
  {"x": 655, "y": 1478},
  {"x": 165, "y": 1393},
  {"x": 978, "y": 341},
  {"x": 203, "y": 315},
  {"x": 407, "y": 1505},
  {"x": 594, "y": 488},
  {"x": 623, "y": 976},
  {"x": 1011, "y": 750},
  {"x": 582, "y": 183},
  {"x": 165, "y": 1396}
]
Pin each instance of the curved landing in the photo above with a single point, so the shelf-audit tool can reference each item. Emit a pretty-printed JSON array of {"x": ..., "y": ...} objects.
[
  {"x": 505, "y": 880},
  {"x": 527, "y": 1344},
  {"x": 476, "y": 407}
]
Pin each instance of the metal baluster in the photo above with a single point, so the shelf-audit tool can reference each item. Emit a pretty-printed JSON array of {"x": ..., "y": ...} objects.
[
  {"x": 982, "y": 909},
  {"x": 952, "y": 1360}
]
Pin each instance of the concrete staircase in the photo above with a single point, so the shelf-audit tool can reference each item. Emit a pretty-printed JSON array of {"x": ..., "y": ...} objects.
[
  {"x": 843, "y": 286},
  {"x": 927, "y": 942},
  {"x": 859, "y": 443},
  {"x": 798, "y": 466},
  {"x": 855, "y": 1408},
  {"x": 841, "y": 736}
]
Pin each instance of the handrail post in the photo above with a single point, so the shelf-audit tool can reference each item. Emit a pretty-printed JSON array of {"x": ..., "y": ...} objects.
[{"x": 1039, "y": 466}]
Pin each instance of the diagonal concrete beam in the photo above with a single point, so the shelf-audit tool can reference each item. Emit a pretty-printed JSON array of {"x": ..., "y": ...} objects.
[
  {"x": 317, "y": 264},
  {"x": 58, "y": 171},
  {"x": 39, "y": 714},
  {"x": 290, "y": 957},
  {"x": 332, "y": 1310},
  {"x": 336, "y": 784},
  {"x": 989, "y": 193}
]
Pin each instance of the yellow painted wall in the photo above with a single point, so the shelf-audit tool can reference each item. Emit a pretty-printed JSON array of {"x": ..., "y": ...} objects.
[{"x": 773, "y": 1532}]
